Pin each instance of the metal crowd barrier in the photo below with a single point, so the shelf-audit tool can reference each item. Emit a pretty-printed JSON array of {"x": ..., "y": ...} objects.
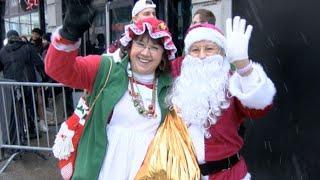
[{"x": 20, "y": 109}]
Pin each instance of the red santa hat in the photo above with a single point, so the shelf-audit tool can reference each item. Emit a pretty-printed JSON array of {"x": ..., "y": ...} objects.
[
  {"x": 204, "y": 31},
  {"x": 157, "y": 29},
  {"x": 197, "y": 33}
]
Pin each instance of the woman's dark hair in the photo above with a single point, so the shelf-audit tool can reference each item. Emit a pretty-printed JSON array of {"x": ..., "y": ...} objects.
[{"x": 164, "y": 65}]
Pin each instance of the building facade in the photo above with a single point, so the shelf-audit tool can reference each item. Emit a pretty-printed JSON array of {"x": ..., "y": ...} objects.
[
  {"x": 113, "y": 15},
  {"x": 22, "y": 16}
]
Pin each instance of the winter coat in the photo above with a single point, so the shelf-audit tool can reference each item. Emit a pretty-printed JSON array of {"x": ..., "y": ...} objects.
[{"x": 20, "y": 62}]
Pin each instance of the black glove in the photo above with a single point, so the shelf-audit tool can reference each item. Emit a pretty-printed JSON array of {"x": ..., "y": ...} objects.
[{"x": 79, "y": 17}]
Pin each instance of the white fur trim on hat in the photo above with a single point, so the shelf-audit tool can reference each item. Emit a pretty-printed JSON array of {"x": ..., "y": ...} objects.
[
  {"x": 141, "y": 5},
  {"x": 203, "y": 33}
]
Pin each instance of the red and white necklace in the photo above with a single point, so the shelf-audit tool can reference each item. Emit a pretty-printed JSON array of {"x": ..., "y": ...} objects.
[{"x": 136, "y": 97}]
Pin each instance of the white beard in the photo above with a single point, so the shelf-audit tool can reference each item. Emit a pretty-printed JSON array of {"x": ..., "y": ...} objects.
[{"x": 200, "y": 91}]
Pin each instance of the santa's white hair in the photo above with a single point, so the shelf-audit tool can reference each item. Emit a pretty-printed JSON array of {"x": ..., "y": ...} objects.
[{"x": 200, "y": 92}]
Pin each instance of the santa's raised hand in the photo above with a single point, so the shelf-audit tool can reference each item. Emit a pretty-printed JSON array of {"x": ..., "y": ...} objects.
[{"x": 237, "y": 39}]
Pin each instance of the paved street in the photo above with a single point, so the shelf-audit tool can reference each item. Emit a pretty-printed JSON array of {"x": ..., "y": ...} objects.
[{"x": 31, "y": 167}]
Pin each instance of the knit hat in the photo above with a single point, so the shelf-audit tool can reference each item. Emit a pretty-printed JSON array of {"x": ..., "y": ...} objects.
[
  {"x": 141, "y": 5},
  {"x": 201, "y": 32},
  {"x": 157, "y": 29},
  {"x": 11, "y": 33}
]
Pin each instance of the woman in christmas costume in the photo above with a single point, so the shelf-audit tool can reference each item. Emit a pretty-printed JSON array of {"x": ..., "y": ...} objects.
[
  {"x": 214, "y": 101},
  {"x": 126, "y": 99}
]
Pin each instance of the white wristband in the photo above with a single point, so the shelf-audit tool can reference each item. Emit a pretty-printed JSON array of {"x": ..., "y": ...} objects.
[{"x": 245, "y": 69}]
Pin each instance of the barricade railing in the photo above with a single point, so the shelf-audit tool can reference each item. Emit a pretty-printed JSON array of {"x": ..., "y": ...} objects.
[{"x": 22, "y": 106}]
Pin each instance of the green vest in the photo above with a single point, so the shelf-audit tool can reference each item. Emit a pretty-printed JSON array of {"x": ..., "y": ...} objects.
[{"x": 93, "y": 143}]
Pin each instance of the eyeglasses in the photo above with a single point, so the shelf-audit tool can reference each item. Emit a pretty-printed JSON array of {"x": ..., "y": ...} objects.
[
  {"x": 152, "y": 48},
  {"x": 207, "y": 50}
]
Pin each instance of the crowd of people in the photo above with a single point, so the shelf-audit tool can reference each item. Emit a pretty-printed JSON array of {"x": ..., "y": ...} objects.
[
  {"x": 21, "y": 61},
  {"x": 132, "y": 89}
]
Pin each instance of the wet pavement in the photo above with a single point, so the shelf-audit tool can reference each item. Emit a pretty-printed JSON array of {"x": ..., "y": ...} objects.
[{"x": 33, "y": 165}]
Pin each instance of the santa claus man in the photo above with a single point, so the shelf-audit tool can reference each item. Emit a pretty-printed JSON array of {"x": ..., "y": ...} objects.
[{"x": 214, "y": 101}]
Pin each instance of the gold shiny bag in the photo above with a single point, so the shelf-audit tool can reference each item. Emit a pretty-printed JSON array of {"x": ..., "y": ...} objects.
[{"x": 171, "y": 154}]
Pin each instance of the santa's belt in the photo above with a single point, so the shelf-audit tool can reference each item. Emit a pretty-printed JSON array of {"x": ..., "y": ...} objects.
[{"x": 212, "y": 167}]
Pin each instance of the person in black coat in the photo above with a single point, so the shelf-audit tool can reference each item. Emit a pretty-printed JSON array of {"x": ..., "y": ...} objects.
[
  {"x": 36, "y": 40},
  {"x": 20, "y": 62}
]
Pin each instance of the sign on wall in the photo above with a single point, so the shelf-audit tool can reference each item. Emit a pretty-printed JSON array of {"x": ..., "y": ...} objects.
[{"x": 29, "y": 4}]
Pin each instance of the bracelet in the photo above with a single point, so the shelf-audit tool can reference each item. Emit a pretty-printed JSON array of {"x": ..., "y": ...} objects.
[{"x": 245, "y": 69}]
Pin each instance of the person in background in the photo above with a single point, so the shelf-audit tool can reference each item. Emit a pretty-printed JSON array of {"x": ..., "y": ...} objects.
[
  {"x": 20, "y": 62},
  {"x": 46, "y": 40},
  {"x": 202, "y": 16},
  {"x": 143, "y": 9},
  {"x": 36, "y": 40},
  {"x": 100, "y": 46},
  {"x": 24, "y": 38},
  {"x": 40, "y": 104},
  {"x": 218, "y": 99}
]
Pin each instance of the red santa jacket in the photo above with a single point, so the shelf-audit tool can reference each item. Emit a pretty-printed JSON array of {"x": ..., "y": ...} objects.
[{"x": 225, "y": 140}]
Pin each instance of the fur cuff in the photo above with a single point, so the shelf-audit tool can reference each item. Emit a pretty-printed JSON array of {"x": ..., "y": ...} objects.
[
  {"x": 115, "y": 55},
  {"x": 62, "y": 44},
  {"x": 257, "y": 98},
  {"x": 63, "y": 146}
]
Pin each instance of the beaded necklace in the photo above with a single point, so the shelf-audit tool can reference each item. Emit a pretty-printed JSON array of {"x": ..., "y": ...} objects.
[{"x": 137, "y": 99}]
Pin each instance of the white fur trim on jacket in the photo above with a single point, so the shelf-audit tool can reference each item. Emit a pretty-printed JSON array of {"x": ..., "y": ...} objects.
[
  {"x": 257, "y": 98},
  {"x": 63, "y": 47},
  {"x": 63, "y": 143},
  {"x": 197, "y": 137},
  {"x": 115, "y": 55}
]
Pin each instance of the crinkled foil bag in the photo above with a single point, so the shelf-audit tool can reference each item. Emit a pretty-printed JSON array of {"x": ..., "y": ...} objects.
[{"x": 171, "y": 155}]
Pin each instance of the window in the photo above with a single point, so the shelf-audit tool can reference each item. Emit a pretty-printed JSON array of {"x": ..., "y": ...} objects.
[
  {"x": 14, "y": 24},
  {"x": 25, "y": 24},
  {"x": 121, "y": 16},
  {"x": 7, "y": 24},
  {"x": 35, "y": 20}
]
